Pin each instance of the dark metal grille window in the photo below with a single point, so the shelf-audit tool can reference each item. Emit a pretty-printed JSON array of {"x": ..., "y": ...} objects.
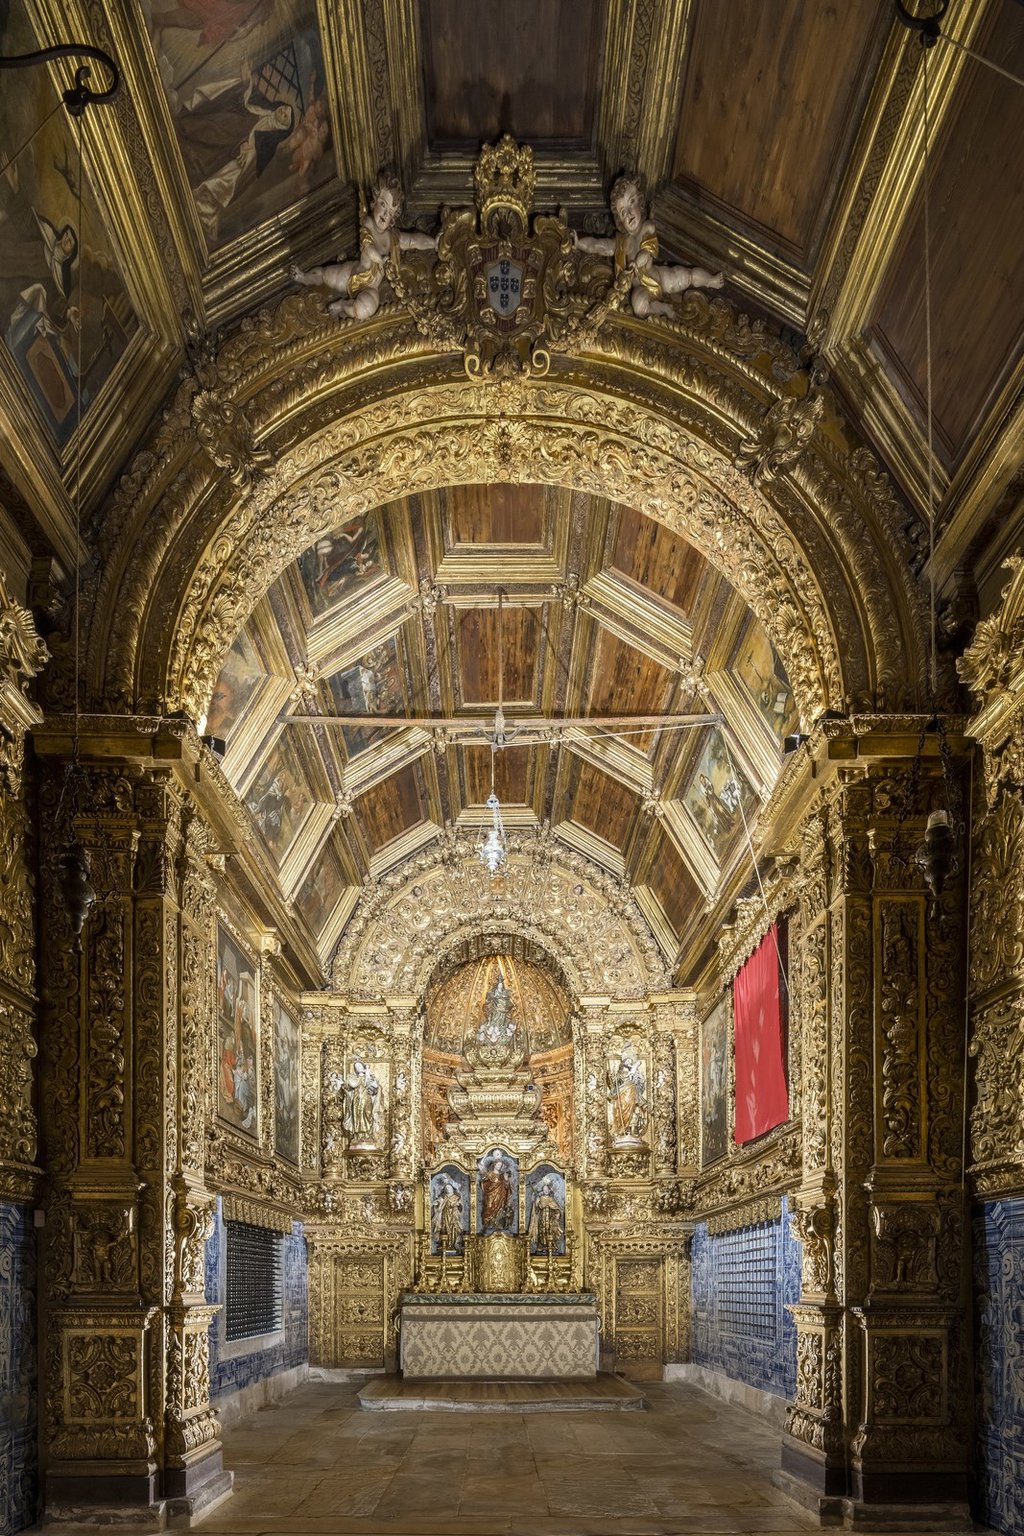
[{"x": 252, "y": 1300}]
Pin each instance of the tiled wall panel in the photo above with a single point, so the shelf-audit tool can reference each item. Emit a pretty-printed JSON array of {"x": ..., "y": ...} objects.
[
  {"x": 999, "y": 1364},
  {"x": 19, "y": 1466},
  {"x": 244, "y": 1369},
  {"x": 743, "y": 1282}
]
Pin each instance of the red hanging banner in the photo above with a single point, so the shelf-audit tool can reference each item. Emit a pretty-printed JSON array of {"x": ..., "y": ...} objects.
[{"x": 762, "y": 1094}]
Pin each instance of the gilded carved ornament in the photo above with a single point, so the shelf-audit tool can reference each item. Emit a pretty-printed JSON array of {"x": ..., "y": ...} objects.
[
  {"x": 274, "y": 364},
  {"x": 405, "y": 921},
  {"x": 781, "y": 436},
  {"x": 996, "y": 653},
  {"x": 23, "y": 655}
]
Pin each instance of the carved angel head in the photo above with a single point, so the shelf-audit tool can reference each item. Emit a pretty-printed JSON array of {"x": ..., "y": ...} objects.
[
  {"x": 628, "y": 204},
  {"x": 386, "y": 201}
]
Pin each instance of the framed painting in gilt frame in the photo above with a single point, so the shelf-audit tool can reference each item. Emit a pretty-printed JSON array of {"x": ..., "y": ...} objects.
[
  {"x": 287, "y": 1047},
  {"x": 237, "y": 1065},
  {"x": 714, "y": 1084}
]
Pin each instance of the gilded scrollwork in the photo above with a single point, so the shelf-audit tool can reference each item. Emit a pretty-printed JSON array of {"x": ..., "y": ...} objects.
[
  {"x": 899, "y": 1024},
  {"x": 273, "y": 364},
  {"x": 781, "y": 436}
]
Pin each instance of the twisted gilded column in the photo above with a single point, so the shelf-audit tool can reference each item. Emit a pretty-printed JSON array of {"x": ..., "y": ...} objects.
[{"x": 127, "y": 1421}]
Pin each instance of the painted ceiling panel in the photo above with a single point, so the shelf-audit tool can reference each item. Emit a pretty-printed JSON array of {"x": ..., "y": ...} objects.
[{"x": 246, "y": 92}]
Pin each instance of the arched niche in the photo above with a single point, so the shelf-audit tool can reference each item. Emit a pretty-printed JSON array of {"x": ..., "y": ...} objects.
[
  {"x": 311, "y": 422},
  {"x": 456, "y": 1006},
  {"x": 407, "y": 925}
]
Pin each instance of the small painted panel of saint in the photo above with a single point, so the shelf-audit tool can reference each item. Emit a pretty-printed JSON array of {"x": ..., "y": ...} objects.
[
  {"x": 449, "y": 1209},
  {"x": 545, "y": 1209},
  {"x": 497, "y": 1198}
]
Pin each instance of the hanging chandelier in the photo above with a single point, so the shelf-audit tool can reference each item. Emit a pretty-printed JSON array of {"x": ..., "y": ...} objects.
[
  {"x": 493, "y": 848},
  {"x": 493, "y": 845}
]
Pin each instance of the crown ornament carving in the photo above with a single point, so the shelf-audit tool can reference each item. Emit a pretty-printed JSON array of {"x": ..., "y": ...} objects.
[{"x": 505, "y": 180}]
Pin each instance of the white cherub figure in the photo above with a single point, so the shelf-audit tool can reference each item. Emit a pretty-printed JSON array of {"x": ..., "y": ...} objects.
[
  {"x": 634, "y": 247},
  {"x": 359, "y": 280}
]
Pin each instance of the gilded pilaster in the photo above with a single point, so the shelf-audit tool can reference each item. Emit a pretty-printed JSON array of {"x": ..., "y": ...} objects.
[
  {"x": 22, "y": 657},
  {"x": 880, "y": 1363},
  {"x": 127, "y": 1415}
]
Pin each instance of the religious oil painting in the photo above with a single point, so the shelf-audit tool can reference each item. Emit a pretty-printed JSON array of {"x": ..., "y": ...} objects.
[
  {"x": 320, "y": 892},
  {"x": 497, "y": 1193},
  {"x": 286, "y": 1084},
  {"x": 373, "y": 686},
  {"x": 237, "y": 1036},
  {"x": 236, "y": 683},
  {"x": 246, "y": 91},
  {"x": 761, "y": 670},
  {"x": 65, "y": 313},
  {"x": 714, "y": 1083},
  {"x": 719, "y": 796},
  {"x": 279, "y": 797},
  {"x": 337, "y": 564},
  {"x": 545, "y": 1209},
  {"x": 449, "y": 1209}
]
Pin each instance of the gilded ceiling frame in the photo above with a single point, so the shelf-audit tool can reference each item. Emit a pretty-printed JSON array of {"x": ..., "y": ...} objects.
[{"x": 297, "y": 424}]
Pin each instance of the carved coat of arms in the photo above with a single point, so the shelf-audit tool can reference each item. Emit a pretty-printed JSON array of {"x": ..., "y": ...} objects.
[{"x": 508, "y": 287}]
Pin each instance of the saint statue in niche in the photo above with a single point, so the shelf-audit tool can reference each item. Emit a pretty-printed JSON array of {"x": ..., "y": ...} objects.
[
  {"x": 361, "y": 1092},
  {"x": 547, "y": 1218},
  {"x": 627, "y": 1097},
  {"x": 498, "y": 1026},
  {"x": 447, "y": 1215},
  {"x": 497, "y": 1205}
]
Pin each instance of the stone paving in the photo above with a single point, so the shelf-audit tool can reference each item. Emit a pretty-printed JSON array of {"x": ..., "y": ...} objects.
[{"x": 317, "y": 1463}]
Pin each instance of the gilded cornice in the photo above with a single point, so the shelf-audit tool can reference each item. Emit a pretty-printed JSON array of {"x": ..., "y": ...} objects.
[
  {"x": 752, "y": 1213},
  {"x": 256, "y": 1213},
  {"x": 755, "y": 914}
]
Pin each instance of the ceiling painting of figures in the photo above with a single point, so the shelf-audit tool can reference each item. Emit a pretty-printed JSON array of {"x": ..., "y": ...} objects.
[
  {"x": 246, "y": 90},
  {"x": 65, "y": 312}
]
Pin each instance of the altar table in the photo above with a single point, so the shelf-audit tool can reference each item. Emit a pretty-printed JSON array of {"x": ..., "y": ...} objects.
[{"x": 499, "y": 1337}]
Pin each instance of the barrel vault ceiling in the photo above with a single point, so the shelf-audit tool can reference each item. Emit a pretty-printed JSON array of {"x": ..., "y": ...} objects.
[{"x": 780, "y": 140}]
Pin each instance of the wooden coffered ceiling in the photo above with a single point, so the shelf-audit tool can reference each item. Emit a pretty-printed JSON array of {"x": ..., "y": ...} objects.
[
  {"x": 781, "y": 143},
  {"x": 397, "y": 614}
]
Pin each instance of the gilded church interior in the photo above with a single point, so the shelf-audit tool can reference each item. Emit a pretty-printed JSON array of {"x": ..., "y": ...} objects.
[{"x": 511, "y": 696}]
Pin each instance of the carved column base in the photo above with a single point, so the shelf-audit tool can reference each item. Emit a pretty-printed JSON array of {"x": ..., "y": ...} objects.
[
  {"x": 906, "y": 1449},
  {"x": 812, "y": 1448},
  {"x": 809, "y": 1475}
]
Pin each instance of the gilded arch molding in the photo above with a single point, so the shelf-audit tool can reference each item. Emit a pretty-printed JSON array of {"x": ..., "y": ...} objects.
[
  {"x": 295, "y": 425},
  {"x": 404, "y": 926}
]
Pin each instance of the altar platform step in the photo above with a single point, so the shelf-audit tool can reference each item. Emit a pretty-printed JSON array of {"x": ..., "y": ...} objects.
[{"x": 605, "y": 1392}]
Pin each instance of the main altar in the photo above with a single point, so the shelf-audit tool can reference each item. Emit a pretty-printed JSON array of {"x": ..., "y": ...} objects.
[{"x": 497, "y": 1289}]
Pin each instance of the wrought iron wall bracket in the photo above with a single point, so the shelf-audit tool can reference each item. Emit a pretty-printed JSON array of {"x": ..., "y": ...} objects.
[
  {"x": 929, "y": 27},
  {"x": 79, "y": 96}
]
